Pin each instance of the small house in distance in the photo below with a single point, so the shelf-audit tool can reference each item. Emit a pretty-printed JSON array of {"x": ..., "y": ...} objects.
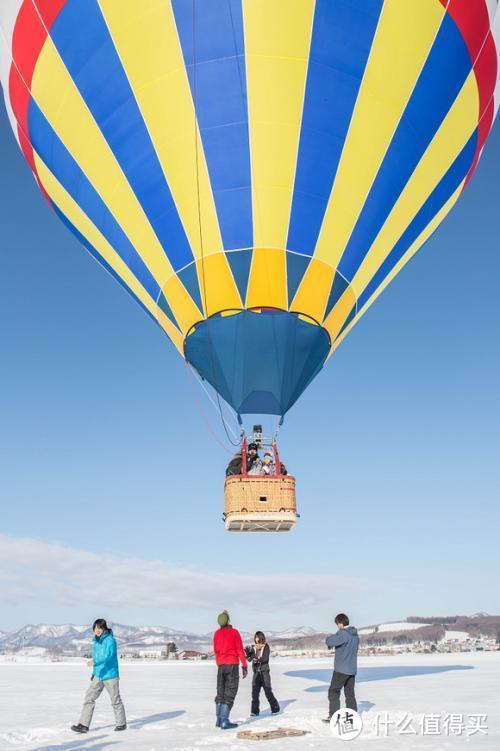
[{"x": 191, "y": 654}]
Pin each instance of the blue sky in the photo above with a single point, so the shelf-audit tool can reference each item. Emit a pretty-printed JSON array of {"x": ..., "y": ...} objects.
[{"x": 111, "y": 484}]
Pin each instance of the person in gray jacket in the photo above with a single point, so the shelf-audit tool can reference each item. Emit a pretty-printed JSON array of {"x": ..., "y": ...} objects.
[{"x": 346, "y": 644}]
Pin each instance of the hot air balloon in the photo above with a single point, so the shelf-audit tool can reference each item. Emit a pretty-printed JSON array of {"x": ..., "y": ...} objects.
[{"x": 253, "y": 172}]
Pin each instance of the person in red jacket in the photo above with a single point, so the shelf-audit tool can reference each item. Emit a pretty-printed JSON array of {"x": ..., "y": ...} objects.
[{"x": 229, "y": 652}]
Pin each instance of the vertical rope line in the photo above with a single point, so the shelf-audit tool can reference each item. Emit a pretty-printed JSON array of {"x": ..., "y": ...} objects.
[
  {"x": 198, "y": 198},
  {"x": 244, "y": 99}
]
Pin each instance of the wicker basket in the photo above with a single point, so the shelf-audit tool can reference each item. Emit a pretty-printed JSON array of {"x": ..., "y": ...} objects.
[{"x": 248, "y": 494}]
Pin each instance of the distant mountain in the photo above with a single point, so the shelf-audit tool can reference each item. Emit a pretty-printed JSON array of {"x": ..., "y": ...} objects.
[
  {"x": 293, "y": 633},
  {"x": 431, "y": 629},
  {"x": 72, "y": 638}
]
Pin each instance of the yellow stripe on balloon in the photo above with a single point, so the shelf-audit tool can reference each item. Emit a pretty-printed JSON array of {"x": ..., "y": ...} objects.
[
  {"x": 267, "y": 281},
  {"x": 277, "y": 42},
  {"x": 404, "y": 37},
  {"x": 83, "y": 224},
  {"x": 61, "y": 103},
  {"x": 312, "y": 295},
  {"x": 414, "y": 247},
  {"x": 186, "y": 316},
  {"x": 145, "y": 36},
  {"x": 446, "y": 145},
  {"x": 216, "y": 291},
  {"x": 340, "y": 313}
]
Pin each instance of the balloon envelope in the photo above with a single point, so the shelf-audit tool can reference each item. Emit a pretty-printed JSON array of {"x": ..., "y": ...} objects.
[{"x": 254, "y": 172}]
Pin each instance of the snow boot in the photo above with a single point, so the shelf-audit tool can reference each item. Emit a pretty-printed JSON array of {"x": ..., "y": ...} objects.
[
  {"x": 225, "y": 723},
  {"x": 121, "y": 727},
  {"x": 79, "y": 728},
  {"x": 218, "y": 705}
]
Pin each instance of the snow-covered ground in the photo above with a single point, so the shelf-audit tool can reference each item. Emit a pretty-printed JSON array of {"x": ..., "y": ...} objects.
[{"x": 170, "y": 705}]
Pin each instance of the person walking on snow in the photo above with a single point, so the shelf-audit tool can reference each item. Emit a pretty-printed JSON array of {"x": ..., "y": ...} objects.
[
  {"x": 105, "y": 675},
  {"x": 229, "y": 652},
  {"x": 259, "y": 654},
  {"x": 346, "y": 644}
]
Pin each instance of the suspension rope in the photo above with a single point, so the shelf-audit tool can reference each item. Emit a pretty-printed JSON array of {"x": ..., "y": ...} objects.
[
  {"x": 205, "y": 419},
  {"x": 198, "y": 197},
  {"x": 212, "y": 401}
]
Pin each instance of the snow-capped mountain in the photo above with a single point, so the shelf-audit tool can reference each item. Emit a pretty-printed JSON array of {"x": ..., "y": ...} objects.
[
  {"x": 75, "y": 638},
  {"x": 293, "y": 633},
  {"x": 42, "y": 635}
]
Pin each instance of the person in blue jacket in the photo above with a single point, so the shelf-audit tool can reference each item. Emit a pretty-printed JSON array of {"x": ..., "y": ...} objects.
[
  {"x": 346, "y": 645},
  {"x": 105, "y": 675}
]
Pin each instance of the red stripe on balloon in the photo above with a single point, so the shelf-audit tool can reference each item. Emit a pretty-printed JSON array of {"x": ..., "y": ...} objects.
[
  {"x": 473, "y": 21},
  {"x": 30, "y": 33},
  {"x": 483, "y": 130},
  {"x": 486, "y": 71}
]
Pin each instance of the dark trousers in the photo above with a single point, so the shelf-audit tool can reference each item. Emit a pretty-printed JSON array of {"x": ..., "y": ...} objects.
[
  {"x": 228, "y": 678},
  {"x": 262, "y": 679},
  {"x": 342, "y": 681}
]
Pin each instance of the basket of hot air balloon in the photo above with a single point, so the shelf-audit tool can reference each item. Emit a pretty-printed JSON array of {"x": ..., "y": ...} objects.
[
  {"x": 260, "y": 503},
  {"x": 255, "y": 172}
]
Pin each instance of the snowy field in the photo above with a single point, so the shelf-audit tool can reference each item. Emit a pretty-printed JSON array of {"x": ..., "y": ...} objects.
[{"x": 170, "y": 705}]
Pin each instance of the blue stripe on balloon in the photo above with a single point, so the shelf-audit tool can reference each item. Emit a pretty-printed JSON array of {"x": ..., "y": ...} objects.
[
  {"x": 60, "y": 162},
  {"x": 296, "y": 266},
  {"x": 240, "y": 262},
  {"x": 339, "y": 286},
  {"x": 83, "y": 40},
  {"x": 443, "y": 191},
  {"x": 341, "y": 41},
  {"x": 93, "y": 252},
  {"x": 163, "y": 305},
  {"x": 439, "y": 83},
  {"x": 189, "y": 278},
  {"x": 215, "y": 40}
]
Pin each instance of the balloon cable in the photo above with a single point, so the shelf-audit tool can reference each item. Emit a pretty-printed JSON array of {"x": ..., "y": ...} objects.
[
  {"x": 191, "y": 378},
  {"x": 204, "y": 286}
]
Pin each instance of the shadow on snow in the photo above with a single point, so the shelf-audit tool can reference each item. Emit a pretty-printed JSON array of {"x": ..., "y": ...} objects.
[
  {"x": 382, "y": 673},
  {"x": 92, "y": 743},
  {"x": 85, "y": 743},
  {"x": 267, "y": 712}
]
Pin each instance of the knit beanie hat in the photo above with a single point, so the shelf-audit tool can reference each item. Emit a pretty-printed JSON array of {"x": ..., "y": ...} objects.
[{"x": 223, "y": 618}]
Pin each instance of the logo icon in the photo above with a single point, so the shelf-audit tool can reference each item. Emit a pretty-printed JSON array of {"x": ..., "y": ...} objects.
[{"x": 346, "y": 724}]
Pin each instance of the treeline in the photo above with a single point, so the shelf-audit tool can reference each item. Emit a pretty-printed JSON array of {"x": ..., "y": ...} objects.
[
  {"x": 432, "y": 619},
  {"x": 382, "y": 638}
]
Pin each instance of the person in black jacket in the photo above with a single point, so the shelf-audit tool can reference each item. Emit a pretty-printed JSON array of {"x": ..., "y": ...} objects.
[
  {"x": 259, "y": 655},
  {"x": 253, "y": 460}
]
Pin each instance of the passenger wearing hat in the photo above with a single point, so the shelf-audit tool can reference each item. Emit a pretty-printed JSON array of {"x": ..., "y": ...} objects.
[
  {"x": 253, "y": 462},
  {"x": 268, "y": 464},
  {"x": 229, "y": 652}
]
